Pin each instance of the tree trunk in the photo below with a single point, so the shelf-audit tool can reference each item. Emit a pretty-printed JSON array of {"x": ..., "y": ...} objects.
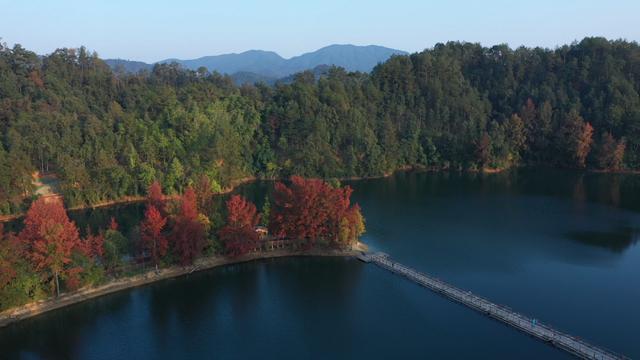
[{"x": 57, "y": 285}]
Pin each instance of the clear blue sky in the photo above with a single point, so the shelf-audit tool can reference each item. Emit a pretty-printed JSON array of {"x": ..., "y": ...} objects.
[{"x": 155, "y": 30}]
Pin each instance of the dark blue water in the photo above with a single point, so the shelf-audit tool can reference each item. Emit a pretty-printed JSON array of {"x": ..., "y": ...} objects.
[{"x": 557, "y": 245}]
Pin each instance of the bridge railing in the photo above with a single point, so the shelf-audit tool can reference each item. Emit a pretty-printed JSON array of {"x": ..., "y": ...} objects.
[{"x": 502, "y": 312}]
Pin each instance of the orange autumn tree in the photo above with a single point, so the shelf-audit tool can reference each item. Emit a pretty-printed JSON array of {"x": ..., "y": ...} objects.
[
  {"x": 575, "y": 138},
  {"x": 50, "y": 238},
  {"x": 188, "y": 233},
  {"x": 310, "y": 209},
  {"x": 351, "y": 227},
  {"x": 205, "y": 190},
  {"x": 583, "y": 144},
  {"x": 238, "y": 236}
]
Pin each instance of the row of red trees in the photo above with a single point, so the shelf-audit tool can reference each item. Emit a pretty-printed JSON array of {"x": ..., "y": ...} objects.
[
  {"x": 187, "y": 236},
  {"x": 310, "y": 210},
  {"x": 307, "y": 210}
]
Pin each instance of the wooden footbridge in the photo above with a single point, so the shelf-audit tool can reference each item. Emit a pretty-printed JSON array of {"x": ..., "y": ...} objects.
[{"x": 573, "y": 345}]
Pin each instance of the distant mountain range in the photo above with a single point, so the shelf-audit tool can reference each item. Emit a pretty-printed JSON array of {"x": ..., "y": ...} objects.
[{"x": 258, "y": 65}]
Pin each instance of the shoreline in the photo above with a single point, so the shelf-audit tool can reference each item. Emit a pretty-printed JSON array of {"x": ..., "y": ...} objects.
[
  {"x": 132, "y": 199},
  {"x": 34, "y": 309}
]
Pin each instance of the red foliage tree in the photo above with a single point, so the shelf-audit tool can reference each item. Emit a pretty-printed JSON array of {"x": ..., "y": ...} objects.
[
  {"x": 73, "y": 278},
  {"x": 238, "y": 235},
  {"x": 241, "y": 212},
  {"x": 113, "y": 225},
  {"x": 189, "y": 204},
  {"x": 155, "y": 197},
  {"x": 93, "y": 245},
  {"x": 188, "y": 232},
  {"x": 308, "y": 210},
  {"x": 50, "y": 238},
  {"x": 301, "y": 211},
  {"x": 153, "y": 240}
]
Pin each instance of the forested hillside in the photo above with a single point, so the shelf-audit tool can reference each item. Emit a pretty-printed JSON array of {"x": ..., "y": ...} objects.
[{"x": 458, "y": 105}]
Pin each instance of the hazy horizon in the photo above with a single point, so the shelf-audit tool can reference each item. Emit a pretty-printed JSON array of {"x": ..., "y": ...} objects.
[
  {"x": 247, "y": 50},
  {"x": 148, "y": 31}
]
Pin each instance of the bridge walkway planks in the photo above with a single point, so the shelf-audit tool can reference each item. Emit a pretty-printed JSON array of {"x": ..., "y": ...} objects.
[{"x": 571, "y": 344}]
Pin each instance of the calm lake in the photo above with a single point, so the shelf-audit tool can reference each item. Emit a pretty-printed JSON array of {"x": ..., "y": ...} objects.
[{"x": 560, "y": 246}]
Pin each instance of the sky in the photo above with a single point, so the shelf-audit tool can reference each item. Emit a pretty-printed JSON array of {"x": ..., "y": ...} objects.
[{"x": 154, "y": 30}]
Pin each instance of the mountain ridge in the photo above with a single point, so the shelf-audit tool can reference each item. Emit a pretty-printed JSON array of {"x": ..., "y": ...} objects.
[{"x": 269, "y": 64}]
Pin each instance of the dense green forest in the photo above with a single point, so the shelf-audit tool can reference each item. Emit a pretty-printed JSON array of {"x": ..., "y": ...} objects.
[{"x": 457, "y": 106}]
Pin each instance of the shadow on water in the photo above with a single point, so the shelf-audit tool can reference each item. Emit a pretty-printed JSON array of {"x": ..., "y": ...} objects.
[
  {"x": 184, "y": 305},
  {"x": 60, "y": 333},
  {"x": 617, "y": 241},
  {"x": 618, "y": 190},
  {"x": 219, "y": 303},
  {"x": 198, "y": 291}
]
